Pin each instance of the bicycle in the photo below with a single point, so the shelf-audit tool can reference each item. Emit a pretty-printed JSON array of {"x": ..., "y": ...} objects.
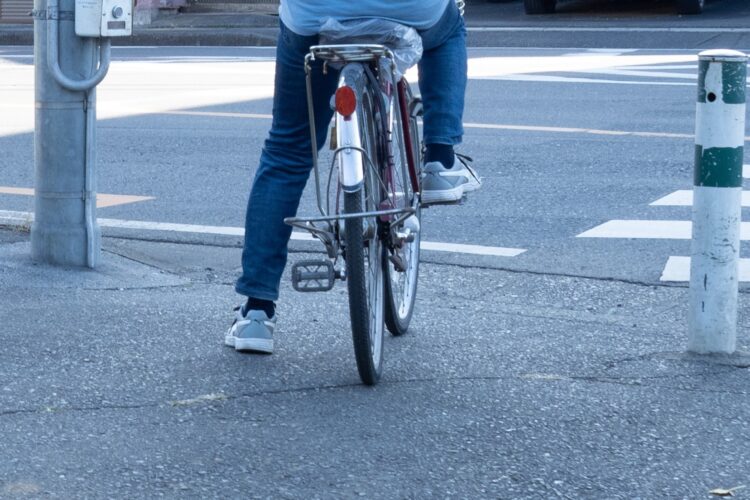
[{"x": 377, "y": 157}]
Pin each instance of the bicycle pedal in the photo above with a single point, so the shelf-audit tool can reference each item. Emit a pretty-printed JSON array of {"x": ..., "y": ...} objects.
[{"x": 313, "y": 275}]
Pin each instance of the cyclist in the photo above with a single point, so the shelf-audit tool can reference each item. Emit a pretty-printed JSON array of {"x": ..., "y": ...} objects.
[{"x": 285, "y": 161}]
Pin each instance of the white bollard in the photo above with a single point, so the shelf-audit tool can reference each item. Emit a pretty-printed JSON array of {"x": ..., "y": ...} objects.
[{"x": 717, "y": 193}]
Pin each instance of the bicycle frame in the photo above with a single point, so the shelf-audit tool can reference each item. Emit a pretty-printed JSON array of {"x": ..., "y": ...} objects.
[
  {"x": 376, "y": 231},
  {"x": 411, "y": 160},
  {"x": 351, "y": 157}
]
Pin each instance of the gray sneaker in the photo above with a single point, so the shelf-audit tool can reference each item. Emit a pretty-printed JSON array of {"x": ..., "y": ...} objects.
[
  {"x": 239, "y": 315},
  {"x": 448, "y": 185},
  {"x": 251, "y": 331}
]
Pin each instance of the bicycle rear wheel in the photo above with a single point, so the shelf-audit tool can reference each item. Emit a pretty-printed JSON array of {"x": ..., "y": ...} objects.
[
  {"x": 402, "y": 257},
  {"x": 364, "y": 255}
]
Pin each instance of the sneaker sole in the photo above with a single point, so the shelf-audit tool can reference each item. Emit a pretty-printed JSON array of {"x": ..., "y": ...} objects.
[
  {"x": 254, "y": 345},
  {"x": 470, "y": 186},
  {"x": 443, "y": 195},
  {"x": 229, "y": 340}
]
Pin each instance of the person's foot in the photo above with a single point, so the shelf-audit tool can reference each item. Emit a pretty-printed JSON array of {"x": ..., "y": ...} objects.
[
  {"x": 251, "y": 331},
  {"x": 448, "y": 185},
  {"x": 239, "y": 315}
]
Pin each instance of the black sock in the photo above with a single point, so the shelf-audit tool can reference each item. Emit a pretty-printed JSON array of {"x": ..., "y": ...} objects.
[
  {"x": 267, "y": 306},
  {"x": 439, "y": 152}
]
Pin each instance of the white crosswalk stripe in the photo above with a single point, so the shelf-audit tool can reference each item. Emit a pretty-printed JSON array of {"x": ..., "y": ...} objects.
[
  {"x": 677, "y": 268},
  {"x": 590, "y": 66},
  {"x": 684, "y": 198}
]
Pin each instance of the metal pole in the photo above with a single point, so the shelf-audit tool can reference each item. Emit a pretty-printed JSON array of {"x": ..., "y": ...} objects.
[
  {"x": 64, "y": 231},
  {"x": 717, "y": 194}
]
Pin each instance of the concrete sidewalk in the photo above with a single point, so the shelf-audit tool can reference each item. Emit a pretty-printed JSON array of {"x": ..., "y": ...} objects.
[{"x": 114, "y": 383}]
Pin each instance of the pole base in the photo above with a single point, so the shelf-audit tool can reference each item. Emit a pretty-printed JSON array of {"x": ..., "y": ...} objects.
[{"x": 66, "y": 246}]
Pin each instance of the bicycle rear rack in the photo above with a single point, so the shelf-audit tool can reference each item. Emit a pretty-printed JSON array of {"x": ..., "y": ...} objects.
[
  {"x": 328, "y": 236},
  {"x": 344, "y": 53},
  {"x": 308, "y": 223},
  {"x": 320, "y": 275}
]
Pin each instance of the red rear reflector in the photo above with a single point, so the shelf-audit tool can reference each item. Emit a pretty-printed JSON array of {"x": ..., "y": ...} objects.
[{"x": 346, "y": 101}]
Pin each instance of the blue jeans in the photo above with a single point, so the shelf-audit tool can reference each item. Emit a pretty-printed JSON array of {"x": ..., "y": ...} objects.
[{"x": 286, "y": 159}]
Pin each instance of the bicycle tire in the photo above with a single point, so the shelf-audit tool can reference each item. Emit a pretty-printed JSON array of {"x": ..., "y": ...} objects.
[
  {"x": 364, "y": 260},
  {"x": 401, "y": 286}
]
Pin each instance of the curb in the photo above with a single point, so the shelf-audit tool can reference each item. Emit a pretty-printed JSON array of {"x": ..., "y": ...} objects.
[
  {"x": 20, "y": 35},
  {"x": 257, "y": 37}
]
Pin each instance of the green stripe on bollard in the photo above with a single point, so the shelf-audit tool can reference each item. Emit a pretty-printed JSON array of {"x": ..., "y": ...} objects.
[
  {"x": 733, "y": 76},
  {"x": 718, "y": 167}
]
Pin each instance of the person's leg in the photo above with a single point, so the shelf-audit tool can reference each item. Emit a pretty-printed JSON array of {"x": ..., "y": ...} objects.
[
  {"x": 442, "y": 83},
  {"x": 285, "y": 165}
]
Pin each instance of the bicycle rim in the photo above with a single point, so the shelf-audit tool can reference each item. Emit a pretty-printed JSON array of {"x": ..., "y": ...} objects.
[{"x": 401, "y": 284}]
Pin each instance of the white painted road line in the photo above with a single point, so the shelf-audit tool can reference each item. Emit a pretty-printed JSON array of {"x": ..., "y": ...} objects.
[
  {"x": 176, "y": 228},
  {"x": 219, "y": 114},
  {"x": 677, "y": 269},
  {"x": 649, "y": 73},
  {"x": 746, "y": 169},
  {"x": 684, "y": 198},
  {"x": 471, "y": 249},
  {"x": 650, "y": 229},
  {"x": 12, "y": 218},
  {"x": 576, "y": 130},
  {"x": 580, "y": 79},
  {"x": 487, "y": 126}
]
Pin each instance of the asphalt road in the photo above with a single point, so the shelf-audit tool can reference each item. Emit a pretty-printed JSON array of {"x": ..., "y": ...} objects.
[
  {"x": 608, "y": 23},
  {"x": 556, "y": 372},
  {"x": 565, "y": 139}
]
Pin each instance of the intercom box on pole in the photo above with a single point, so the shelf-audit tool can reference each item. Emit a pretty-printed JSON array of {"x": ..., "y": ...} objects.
[{"x": 104, "y": 18}]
